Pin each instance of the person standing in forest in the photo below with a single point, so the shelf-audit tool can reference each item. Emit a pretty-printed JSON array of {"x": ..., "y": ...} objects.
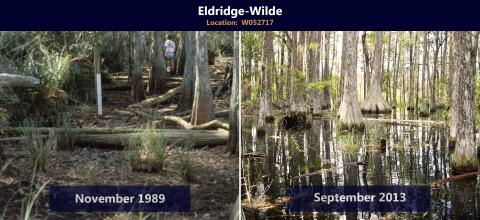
[{"x": 169, "y": 49}]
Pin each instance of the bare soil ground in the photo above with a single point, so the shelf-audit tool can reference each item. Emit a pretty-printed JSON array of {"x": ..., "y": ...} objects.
[{"x": 213, "y": 190}]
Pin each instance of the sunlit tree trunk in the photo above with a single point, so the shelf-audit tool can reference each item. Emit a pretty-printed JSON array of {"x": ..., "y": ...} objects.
[
  {"x": 375, "y": 102},
  {"x": 438, "y": 44},
  {"x": 350, "y": 114},
  {"x": 314, "y": 51},
  {"x": 461, "y": 123},
  {"x": 266, "y": 70},
  {"x": 423, "y": 108},
  {"x": 327, "y": 75},
  {"x": 202, "y": 110},
  {"x": 185, "y": 101},
  {"x": 297, "y": 95},
  {"x": 138, "y": 90},
  {"x": 411, "y": 74},
  {"x": 157, "y": 79},
  {"x": 232, "y": 145}
]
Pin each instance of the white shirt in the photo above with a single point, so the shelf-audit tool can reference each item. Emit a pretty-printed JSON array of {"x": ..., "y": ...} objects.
[{"x": 169, "y": 46}]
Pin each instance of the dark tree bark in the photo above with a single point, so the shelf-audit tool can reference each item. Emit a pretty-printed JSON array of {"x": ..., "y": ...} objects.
[
  {"x": 366, "y": 78},
  {"x": 464, "y": 157},
  {"x": 202, "y": 110},
  {"x": 185, "y": 101},
  {"x": 350, "y": 114},
  {"x": 233, "y": 134},
  {"x": 138, "y": 90},
  {"x": 157, "y": 79},
  {"x": 180, "y": 65}
]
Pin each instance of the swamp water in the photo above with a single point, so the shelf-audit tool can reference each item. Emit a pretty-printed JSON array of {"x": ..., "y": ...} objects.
[{"x": 383, "y": 154}]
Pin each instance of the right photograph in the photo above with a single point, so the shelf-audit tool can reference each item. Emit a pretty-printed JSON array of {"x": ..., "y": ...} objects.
[{"x": 327, "y": 109}]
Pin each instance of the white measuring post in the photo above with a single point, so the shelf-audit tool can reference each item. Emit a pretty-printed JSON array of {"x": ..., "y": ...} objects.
[{"x": 99, "y": 93}]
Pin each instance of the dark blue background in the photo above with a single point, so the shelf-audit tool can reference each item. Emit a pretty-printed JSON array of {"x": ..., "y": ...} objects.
[
  {"x": 302, "y": 198},
  {"x": 62, "y": 198},
  {"x": 297, "y": 15}
]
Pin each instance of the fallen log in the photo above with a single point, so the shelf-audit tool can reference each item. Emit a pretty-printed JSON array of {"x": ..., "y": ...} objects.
[
  {"x": 218, "y": 114},
  {"x": 454, "y": 178},
  {"x": 120, "y": 141},
  {"x": 126, "y": 86},
  {"x": 7, "y": 79},
  {"x": 47, "y": 130},
  {"x": 152, "y": 102},
  {"x": 398, "y": 121},
  {"x": 214, "y": 124}
]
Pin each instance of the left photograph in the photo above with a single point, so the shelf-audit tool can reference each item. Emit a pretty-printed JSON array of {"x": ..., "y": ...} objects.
[{"x": 119, "y": 109}]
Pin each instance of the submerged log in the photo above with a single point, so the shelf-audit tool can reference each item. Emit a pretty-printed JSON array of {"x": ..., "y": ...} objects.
[
  {"x": 152, "y": 102},
  {"x": 454, "y": 178},
  {"x": 398, "y": 121},
  {"x": 7, "y": 79}
]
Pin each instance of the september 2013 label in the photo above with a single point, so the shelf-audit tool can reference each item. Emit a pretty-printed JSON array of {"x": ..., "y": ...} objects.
[
  {"x": 309, "y": 198},
  {"x": 119, "y": 198}
]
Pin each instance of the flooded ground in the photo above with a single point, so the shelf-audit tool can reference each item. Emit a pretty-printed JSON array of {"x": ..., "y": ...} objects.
[{"x": 384, "y": 154}]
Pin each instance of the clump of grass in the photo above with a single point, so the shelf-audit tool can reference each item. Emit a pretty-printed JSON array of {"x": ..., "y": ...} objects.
[
  {"x": 84, "y": 111},
  {"x": 349, "y": 142},
  {"x": 36, "y": 146},
  {"x": 185, "y": 163},
  {"x": 31, "y": 198},
  {"x": 147, "y": 151}
]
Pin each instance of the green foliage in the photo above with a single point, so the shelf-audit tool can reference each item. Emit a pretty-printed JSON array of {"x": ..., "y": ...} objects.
[
  {"x": 147, "y": 151},
  {"x": 319, "y": 85},
  {"x": 50, "y": 67},
  {"x": 220, "y": 41},
  {"x": 3, "y": 113}
]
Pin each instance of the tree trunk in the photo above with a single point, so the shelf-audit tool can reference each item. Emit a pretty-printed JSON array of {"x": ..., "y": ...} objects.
[
  {"x": 461, "y": 124},
  {"x": 314, "y": 70},
  {"x": 202, "y": 110},
  {"x": 327, "y": 75},
  {"x": 266, "y": 70},
  {"x": 411, "y": 78},
  {"x": 433, "y": 104},
  {"x": 423, "y": 109},
  {"x": 297, "y": 95},
  {"x": 233, "y": 134},
  {"x": 185, "y": 101},
  {"x": 398, "y": 55},
  {"x": 375, "y": 102},
  {"x": 138, "y": 90},
  {"x": 350, "y": 114},
  {"x": 157, "y": 79},
  {"x": 366, "y": 78}
]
